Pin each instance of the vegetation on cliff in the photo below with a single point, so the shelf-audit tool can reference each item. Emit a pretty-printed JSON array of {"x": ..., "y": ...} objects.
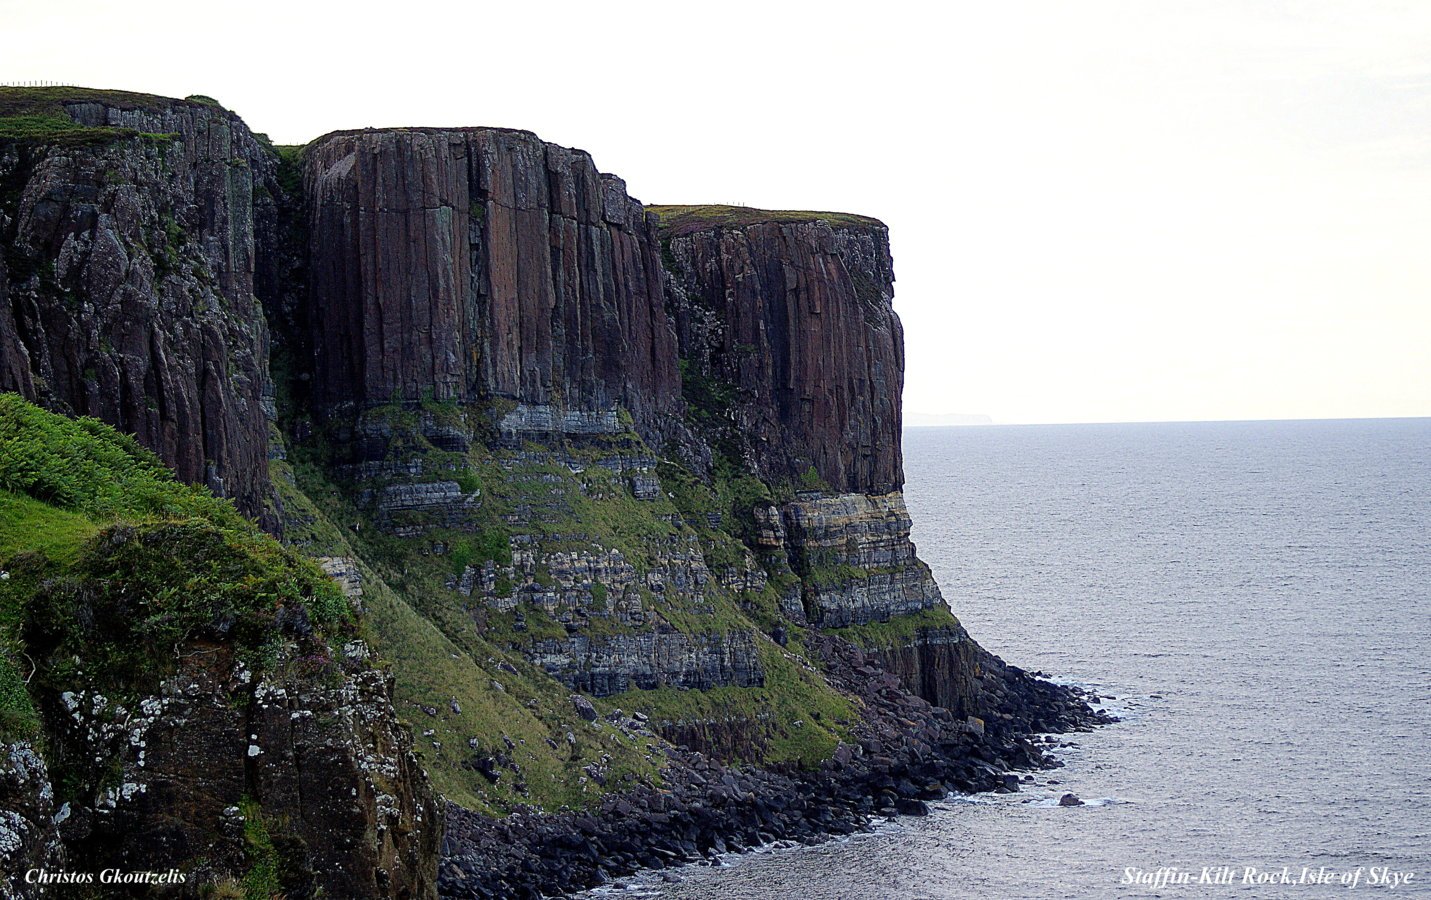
[
  {"x": 154, "y": 643},
  {"x": 112, "y": 566},
  {"x": 461, "y": 608},
  {"x": 682, "y": 219},
  {"x": 38, "y": 115}
]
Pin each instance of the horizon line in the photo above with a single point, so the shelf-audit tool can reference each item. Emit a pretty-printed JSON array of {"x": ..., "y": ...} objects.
[{"x": 998, "y": 424}]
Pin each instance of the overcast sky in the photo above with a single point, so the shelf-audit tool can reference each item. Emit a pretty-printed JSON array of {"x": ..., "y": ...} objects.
[{"x": 1100, "y": 211}]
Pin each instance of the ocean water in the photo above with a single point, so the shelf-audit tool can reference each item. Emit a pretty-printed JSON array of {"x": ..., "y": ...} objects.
[{"x": 1257, "y": 599}]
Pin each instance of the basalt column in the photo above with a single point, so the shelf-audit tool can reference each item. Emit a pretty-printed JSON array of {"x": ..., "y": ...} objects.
[
  {"x": 793, "y": 318},
  {"x": 484, "y": 264}
]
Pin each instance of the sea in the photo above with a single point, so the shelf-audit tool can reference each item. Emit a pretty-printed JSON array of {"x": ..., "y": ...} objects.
[{"x": 1252, "y": 599}]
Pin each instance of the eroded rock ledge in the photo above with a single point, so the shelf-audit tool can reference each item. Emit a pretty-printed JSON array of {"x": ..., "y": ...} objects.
[{"x": 905, "y": 753}]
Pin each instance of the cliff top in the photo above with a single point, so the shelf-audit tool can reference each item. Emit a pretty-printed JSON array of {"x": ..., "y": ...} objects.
[
  {"x": 433, "y": 129},
  {"x": 39, "y": 114},
  {"x": 686, "y": 219}
]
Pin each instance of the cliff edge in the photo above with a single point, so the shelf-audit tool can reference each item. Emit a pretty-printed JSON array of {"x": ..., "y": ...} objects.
[{"x": 602, "y": 500}]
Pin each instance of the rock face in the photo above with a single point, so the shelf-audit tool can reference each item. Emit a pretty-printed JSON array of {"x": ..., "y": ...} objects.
[
  {"x": 857, "y": 560},
  {"x": 605, "y": 666},
  {"x": 322, "y": 768},
  {"x": 797, "y": 318},
  {"x": 126, "y": 283},
  {"x": 471, "y": 264},
  {"x": 794, "y": 352},
  {"x": 29, "y": 834},
  {"x": 552, "y": 437}
]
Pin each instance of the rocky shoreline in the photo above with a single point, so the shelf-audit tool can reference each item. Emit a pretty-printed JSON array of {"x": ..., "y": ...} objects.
[{"x": 905, "y": 753}]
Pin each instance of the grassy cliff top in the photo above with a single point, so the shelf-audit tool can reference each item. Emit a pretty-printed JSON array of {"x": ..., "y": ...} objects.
[
  {"x": 38, "y": 114},
  {"x": 686, "y": 219}
]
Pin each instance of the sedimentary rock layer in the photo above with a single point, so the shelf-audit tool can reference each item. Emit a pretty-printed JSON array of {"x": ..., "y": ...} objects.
[
  {"x": 475, "y": 263},
  {"x": 609, "y": 665},
  {"x": 126, "y": 283},
  {"x": 858, "y": 564}
]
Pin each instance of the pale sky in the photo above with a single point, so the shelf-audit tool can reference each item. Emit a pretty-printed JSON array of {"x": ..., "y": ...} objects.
[{"x": 1099, "y": 211}]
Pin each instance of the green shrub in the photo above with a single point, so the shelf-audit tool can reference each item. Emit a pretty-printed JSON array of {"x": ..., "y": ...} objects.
[{"x": 84, "y": 466}]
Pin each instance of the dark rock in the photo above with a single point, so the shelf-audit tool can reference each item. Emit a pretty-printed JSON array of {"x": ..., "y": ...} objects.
[
  {"x": 609, "y": 665},
  {"x": 584, "y": 707},
  {"x": 127, "y": 282},
  {"x": 798, "y": 317},
  {"x": 1069, "y": 800},
  {"x": 466, "y": 263}
]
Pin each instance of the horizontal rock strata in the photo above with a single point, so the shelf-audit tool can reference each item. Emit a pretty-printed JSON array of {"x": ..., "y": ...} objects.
[
  {"x": 854, "y": 553},
  {"x": 608, "y": 665}
]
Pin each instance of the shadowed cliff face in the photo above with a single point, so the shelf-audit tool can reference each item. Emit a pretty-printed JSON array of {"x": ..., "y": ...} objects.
[
  {"x": 484, "y": 263},
  {"x": 793, "y": 349},
  {"x": 126, "y": 283},
  {"x": 563, "y": 444},
  {"x": 797, "y": 317}
]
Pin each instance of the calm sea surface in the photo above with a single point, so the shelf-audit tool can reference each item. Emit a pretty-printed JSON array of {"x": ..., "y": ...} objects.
[{"x": 1257, "y": 598}]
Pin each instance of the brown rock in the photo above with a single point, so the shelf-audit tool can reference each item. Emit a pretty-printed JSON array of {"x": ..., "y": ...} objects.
[
  {"x": 797, "y": 316},
  {"x": 473, "y": 263}
]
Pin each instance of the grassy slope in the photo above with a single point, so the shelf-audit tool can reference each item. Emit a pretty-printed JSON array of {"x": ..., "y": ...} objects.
[
  {"x": 37, "y": 114},
  {"x": 432, "y": 670},
  {"x": 111, "y": 565},
  {"x": 444, "y": 646}
]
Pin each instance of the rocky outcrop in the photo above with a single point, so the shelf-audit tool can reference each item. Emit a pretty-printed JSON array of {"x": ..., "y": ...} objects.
[
  {"x": 905, "y": 753},
  {"x": 200, "y": 694},
  {"x": 856, "y": 560},
  {"x": 315, "y": 760},
  {"x": 796, "y": 318},
  {"x": 127, "y": 283},
  {"x": 602, "y": 666},
  {"x": 463, "y": 265},
  {"x": 29, "y": 821}
]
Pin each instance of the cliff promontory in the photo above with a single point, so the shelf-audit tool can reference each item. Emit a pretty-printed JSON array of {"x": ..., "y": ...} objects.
[{"x": 583, "y": 516}]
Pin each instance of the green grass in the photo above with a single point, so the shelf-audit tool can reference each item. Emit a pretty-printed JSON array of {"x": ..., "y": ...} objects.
[
  {"x": 261, "y": 881},
  {"x": 678, "y": 220},
  {"x": 899, "y": 631},
  {"x": 111, "y": 566},
  {"x": 792, "y": 694},
  {"x": 28, "y": 525},
  {"x": 38, "y": 115}
]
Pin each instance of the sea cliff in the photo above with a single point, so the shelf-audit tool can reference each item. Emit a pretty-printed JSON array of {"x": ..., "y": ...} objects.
[{"x": 603, "y": 500}]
